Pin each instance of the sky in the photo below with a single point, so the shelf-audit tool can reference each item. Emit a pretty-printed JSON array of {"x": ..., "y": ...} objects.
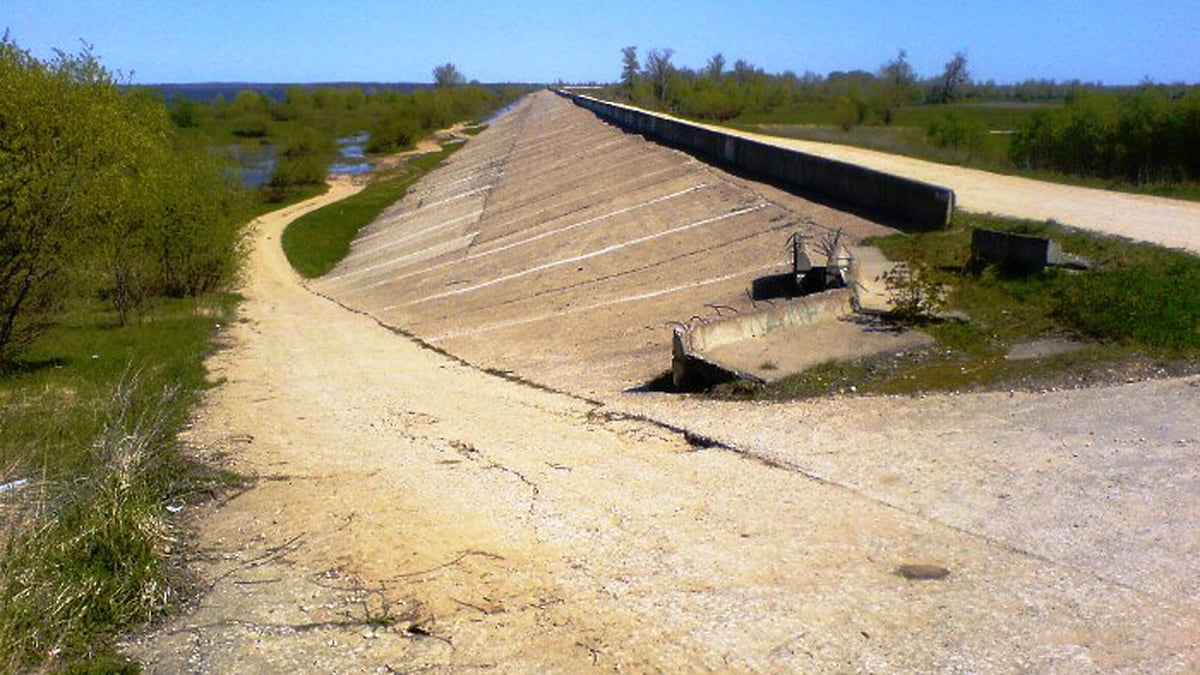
[{"x": 157, "y": 41}]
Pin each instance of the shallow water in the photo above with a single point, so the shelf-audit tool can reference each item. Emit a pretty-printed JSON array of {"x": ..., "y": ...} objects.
[
  {"x": 256, "y": 162},
  {"x": 352, "y": 161}
]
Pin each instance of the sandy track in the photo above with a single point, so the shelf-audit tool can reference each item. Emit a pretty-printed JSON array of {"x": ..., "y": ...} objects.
[
  {"x": 501, "y": 527},
  {"x": 1169, "y": 222}
]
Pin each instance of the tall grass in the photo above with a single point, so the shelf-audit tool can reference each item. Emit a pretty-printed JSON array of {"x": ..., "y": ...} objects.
[
  {"x": 85, "y": 556},
  {"x": 91, "y": 461}
]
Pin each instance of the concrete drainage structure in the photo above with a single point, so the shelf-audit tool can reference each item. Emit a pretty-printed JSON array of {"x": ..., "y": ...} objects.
[{"x": 691, "y": 369}]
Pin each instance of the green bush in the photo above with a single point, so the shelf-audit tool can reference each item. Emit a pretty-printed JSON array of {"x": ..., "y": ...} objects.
[
  {"x": 303, "y": 159},
  {"x": 98, "y": 186},
  {"x": 393, "y": 134},
  {"x": 1140, "y": 137},
  {"x": 952, "y": 131}
]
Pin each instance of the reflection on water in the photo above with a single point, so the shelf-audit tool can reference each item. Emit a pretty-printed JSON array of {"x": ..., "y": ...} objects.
[
  {"x": 351, "y": 161},
  {"x": 256, "y": 162}
]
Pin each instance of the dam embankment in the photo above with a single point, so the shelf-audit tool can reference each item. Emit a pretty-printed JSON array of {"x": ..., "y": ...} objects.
[
  {"x": 909, "y": 204},
  {"x": 564, "y": 249}
]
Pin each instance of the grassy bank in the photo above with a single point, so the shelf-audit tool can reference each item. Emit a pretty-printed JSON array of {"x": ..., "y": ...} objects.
[
  {"x": 91, "y": 461},
  {"x": 1135, "y": 314},
  {"x": 266, "y": 200},
  {"x": 316, "y": 242}
]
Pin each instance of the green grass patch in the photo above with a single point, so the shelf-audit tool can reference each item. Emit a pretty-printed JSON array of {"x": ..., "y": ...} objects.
[
  {"x": 268, "y": 199},
  {"x": 317, "y": 241},
  {"x": 90, "y": 415},
  {"x": 909, "y": 141},
  {"x": 1135, "y": 314}
]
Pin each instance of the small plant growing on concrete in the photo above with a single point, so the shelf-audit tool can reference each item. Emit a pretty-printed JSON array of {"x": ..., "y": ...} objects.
[{"x": 914, "y": 291}]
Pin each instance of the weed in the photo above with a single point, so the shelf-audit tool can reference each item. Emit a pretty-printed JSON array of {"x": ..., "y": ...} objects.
[
  {"x": 914, "y": 291},
  {"x": 85, "y": 537}
]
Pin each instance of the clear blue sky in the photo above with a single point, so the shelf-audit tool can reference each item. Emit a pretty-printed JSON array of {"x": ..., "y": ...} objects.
[{"x": 1114, "y": 41}]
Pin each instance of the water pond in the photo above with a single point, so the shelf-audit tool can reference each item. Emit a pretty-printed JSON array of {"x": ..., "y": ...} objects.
[{"x": 256, "y": 162}]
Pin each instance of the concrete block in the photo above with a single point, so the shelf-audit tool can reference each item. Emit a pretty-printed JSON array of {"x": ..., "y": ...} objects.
[{"x": 1019, "y": 253}]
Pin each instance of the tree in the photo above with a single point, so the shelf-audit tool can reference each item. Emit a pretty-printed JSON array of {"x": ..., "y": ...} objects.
[
  {"x": 659, "y": 70},
  {"x": 57, "y": 145},
  {"x": 897, "y": 78},
  {"x": 183, "y": 111},
  {"x": 94, "y": 186},
  {"x": 715, "y": 67},
  {"x": 954, "y": 78},
  {"x": 447, "y": 75},
  {"x": 744, "y": 71},
  {"x": 629, "y": 69}
]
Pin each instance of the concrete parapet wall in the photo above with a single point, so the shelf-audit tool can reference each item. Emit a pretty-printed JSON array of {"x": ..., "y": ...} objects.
[
  {"x": 915, "y": 205},
  {"x": 690, "y": 368}
]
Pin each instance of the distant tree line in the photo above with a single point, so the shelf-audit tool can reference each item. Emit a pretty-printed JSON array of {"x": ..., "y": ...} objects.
[
  {"x": 304, "y": 123},
  {"x": 98, "y": 191},
  {"x": 1137, "y": 134},
  {"x": 1143, "y": 136},
  {"x": 720, "y": 93}
]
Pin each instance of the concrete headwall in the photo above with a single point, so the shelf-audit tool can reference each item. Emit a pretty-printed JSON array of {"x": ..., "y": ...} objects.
[
  {"x": 1015, "y": 252},
  {"x": 691, "y": 368},
  {"x": 915, "y": 205}
]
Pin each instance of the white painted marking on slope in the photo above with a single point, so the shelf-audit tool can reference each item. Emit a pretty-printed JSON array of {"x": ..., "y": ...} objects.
[
  {"x": 578, "y": 258},
  {"x": 440, "y": 248},
  {"x": 600, "y": 305},
  {"x": 540, "y": 236},
  {"x": 422, "y": 207},
  {"x": 413, "y": 235},
  {"x": 527, "y": 240}
]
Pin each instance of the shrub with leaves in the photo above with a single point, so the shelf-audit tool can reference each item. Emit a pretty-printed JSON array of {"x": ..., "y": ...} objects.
[{"x": 914, "y": 291}]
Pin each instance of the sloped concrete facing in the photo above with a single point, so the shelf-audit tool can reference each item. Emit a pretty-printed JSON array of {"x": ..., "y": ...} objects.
[
  {"x": 914, "y": 204},
  {"x": 562, "y": 248}
]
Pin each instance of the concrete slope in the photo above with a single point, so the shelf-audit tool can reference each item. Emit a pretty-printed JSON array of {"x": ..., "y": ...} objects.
[
  {"x": 1169, "y": 222},
  {"x": 560, "y": 247}
]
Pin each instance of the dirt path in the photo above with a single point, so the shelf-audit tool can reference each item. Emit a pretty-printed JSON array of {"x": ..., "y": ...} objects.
[
  {"x": 415, "y": 514},
  {"x": 1170, "y": 222},
  {"x": 424, "y": 146}
]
